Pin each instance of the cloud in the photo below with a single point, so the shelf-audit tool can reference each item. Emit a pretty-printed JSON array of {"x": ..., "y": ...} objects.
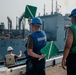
[{"x": 66, "y": 2}]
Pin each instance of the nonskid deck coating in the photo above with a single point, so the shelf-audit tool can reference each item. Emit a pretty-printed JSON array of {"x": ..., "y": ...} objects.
[{"x": 55, "y": 70}]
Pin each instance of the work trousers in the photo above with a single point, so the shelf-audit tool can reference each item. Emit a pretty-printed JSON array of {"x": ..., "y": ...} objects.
[
  {"x": 71, "y": 64},
  {"x": 35, "y": 67}
]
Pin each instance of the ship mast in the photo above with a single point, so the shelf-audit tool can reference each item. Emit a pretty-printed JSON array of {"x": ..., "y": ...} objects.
[
  {"x": 52, "y": 7},
  {"x": 20, "y": 20},
  {"x": 9, "y": 24},
  {"x": 44, "y": 9},
  {"x": 56, "y": 7},
  {"x": 17, "y": 23}
]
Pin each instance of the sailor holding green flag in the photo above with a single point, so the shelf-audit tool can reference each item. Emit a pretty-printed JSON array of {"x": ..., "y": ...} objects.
[{"x": 36, "y": 40}]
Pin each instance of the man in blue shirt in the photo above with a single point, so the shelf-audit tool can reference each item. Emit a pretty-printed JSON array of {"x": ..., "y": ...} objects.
[{"x": 36, "y": 40}]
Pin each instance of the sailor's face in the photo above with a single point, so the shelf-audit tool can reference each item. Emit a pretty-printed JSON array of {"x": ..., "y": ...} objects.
[
  {"x": 10, "y": 51},
  {"x": 32, "y": 28},
  {"x": 72, "y": 19}
]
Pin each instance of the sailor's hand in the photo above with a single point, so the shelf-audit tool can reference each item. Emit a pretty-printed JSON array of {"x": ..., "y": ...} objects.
[
  {"x": 29, "y": 20},
  {"x": 41, "y": 57},
  {"x": 21, "y": 52},
  {"x": 63, "y": 64}
]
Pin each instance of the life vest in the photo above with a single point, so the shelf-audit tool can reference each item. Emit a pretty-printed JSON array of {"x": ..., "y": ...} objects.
[
  {"x": 73, "y": 28},
  {"x": 39, "y": 38},
  {"x": 10, "y": 60}
]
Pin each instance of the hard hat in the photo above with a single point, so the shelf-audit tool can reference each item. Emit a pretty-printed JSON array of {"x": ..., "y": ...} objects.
[
  {"x": 73, "y": 13},
  {"x": 9, "y": 48},
  {"x": 36, "y": 20}
]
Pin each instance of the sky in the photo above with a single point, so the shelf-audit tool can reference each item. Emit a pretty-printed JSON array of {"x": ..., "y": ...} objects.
[{"x": 15, "y": 8}]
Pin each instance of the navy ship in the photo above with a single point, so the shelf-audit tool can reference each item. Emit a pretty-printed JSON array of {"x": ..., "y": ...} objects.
[
  {"x": 55, "y": 25},
  {"x": 16, "y": 38}
]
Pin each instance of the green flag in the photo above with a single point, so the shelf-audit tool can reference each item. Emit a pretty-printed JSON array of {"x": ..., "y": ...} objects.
[
  {"x": 30, "y": 11},
  {"x": 49, "y": 50}
]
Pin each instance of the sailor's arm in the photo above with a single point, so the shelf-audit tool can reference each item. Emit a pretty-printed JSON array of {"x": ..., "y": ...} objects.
[
  {"x": 31, "y": 53},
  {"x": 5, "y": 61},
  {"x": 20, "y": 54},
  {"x": 67, "y": 47}
]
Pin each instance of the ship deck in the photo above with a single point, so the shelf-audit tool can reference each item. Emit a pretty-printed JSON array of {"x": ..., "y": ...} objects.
[{"x": 55, "y": 70}]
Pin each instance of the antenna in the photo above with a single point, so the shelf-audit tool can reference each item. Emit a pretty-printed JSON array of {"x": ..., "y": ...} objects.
[
  {"x": 17, "y": 23},
  {"x": 56, "y": 7},
  {"x": 52, "y": 7},
  {"x": 44, "y": 9}
]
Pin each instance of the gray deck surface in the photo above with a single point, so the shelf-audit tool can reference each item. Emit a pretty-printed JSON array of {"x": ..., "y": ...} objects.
[{"x": 56, "y": 70}]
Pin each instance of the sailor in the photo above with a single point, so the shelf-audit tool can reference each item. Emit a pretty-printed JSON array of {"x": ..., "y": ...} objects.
[
  {"x": 69, "y": 56},
  {"x": 10, "y": 58},
  {"x": 36, "y": 40}
]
